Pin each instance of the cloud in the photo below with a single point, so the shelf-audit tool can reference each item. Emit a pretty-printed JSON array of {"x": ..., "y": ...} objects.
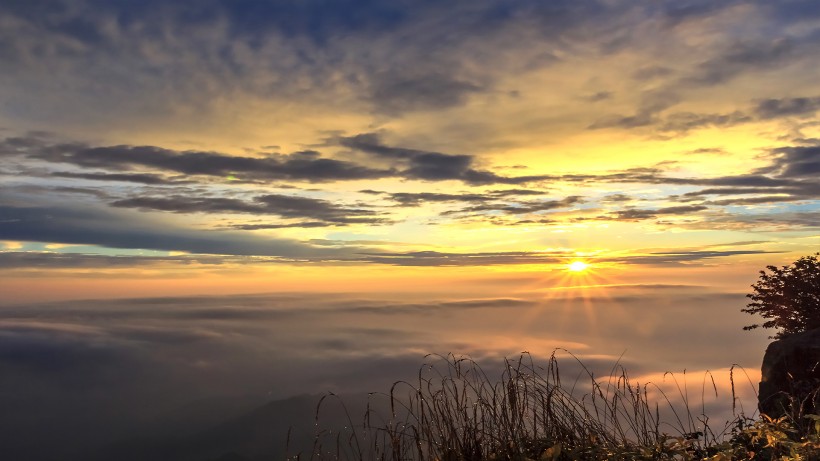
[
  {"x": 142, "y": 178},
  {"x": 441, "y": 259},
  {"x": 598, "y": 96},
  {"x": 117, "y": 230},
  {"x": 798, "y": 162},
  {"x": 54, "y": 349},
  {"x": 754, "y": 200},
  {"x": 435, "y": 166},
  {"x": 651, "y": 72},
  {"x": 189, "y": 205},
  {"x": 638, "y": 214},
  {"x": 614, "y": 198},
  {"x": 799, "y": 10},
  {"x": 788, "y": 178},
  {"x": 622, "y": 121},
  {"x": 118, "y": 366},
  {"x": 397, "y": 92},
  {"x": 20, "y": 259},
  {"x": 36, "y": 190},
  {"x": 299, "y": 166},
  {"x": 651, "y": 103},
  {"x": 681, "y": 12},
  {"x": 302, "y": 224},
  {"x": 308, "y": 166},
  {"x": 521, "y": 207},
  {"x": 418, "y": 198},
  {"x": 761, "y": 110},
  {"x": 444, "y": 259},
  {"x": 99, "y": 227},
  {"x": 286, "y": 206},
  {"x": 785, "y": 107},
  {"x": 682, "y": 122},
  {"x": 759, "y": 178},
  {"x": 759, "y": 222},
  {"x": 371, "y": 57},
  {"x": 797, "y": 191},
  {"x": 741, "y": 57},
  {"x": 709, "y": 151},
  {"x": 431, "y": 166},
  {"x": 52, "y": 260},
  {"x": 682, "y": 257}
]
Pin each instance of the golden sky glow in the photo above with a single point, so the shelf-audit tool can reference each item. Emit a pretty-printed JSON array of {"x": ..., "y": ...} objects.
[
  {"x": 506, "y": 175},
  {"x": 655, "y": 151}
]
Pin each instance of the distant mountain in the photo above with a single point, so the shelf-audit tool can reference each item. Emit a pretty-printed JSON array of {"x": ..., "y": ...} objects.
[
  {"x": 198, "y": 415},
  {"x": 261, "y": 434}
]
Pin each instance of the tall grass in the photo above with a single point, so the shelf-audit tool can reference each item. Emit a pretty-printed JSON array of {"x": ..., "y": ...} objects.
[{"x": 455, "y": 411}]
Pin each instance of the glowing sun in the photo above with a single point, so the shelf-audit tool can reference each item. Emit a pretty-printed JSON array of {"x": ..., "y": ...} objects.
[{"x": 578, "y": 266}]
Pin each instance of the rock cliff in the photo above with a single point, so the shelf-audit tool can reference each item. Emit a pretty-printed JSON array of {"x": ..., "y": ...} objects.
[{"x": 790, "y": 375}]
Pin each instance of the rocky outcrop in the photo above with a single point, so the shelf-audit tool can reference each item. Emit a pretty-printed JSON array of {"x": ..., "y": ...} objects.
[{"x": 790, "y": 376}]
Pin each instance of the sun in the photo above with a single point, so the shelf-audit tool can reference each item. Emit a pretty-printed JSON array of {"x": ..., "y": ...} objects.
[{"x": 578, "y": 266}]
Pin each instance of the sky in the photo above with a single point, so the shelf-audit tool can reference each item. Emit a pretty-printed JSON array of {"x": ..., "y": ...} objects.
[{"x": 274, "y": 197}]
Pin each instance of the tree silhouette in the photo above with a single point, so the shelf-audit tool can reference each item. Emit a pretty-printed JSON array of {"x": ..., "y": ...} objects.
[{"x": 789, "y": 297}]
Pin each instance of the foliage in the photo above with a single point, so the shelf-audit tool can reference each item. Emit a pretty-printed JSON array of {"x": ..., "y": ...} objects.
[
  {"x": 771, "y": 439},
  {"x": 789, "y": 297}
]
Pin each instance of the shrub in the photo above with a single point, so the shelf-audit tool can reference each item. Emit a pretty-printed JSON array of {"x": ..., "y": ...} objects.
[{"x": 789, "y": 297}]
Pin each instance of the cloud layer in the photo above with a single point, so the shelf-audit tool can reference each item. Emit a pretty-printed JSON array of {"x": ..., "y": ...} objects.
[{"x": 121, "y": 366}]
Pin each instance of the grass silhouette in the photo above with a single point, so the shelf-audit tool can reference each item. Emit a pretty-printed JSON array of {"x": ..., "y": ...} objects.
[{"x": 455, "y": 411}]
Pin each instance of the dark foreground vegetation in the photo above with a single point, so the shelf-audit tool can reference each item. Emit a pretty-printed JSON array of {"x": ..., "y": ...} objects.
[{"x": 456, "y": 412}]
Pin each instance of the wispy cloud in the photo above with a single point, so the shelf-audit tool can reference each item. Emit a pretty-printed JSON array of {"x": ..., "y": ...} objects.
[
  {"x": 116, "y": 230},
  {"x": 304, "y": 166},
  {"x": 432, "y": 166},
  {"x": 286, "y": 206}
]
